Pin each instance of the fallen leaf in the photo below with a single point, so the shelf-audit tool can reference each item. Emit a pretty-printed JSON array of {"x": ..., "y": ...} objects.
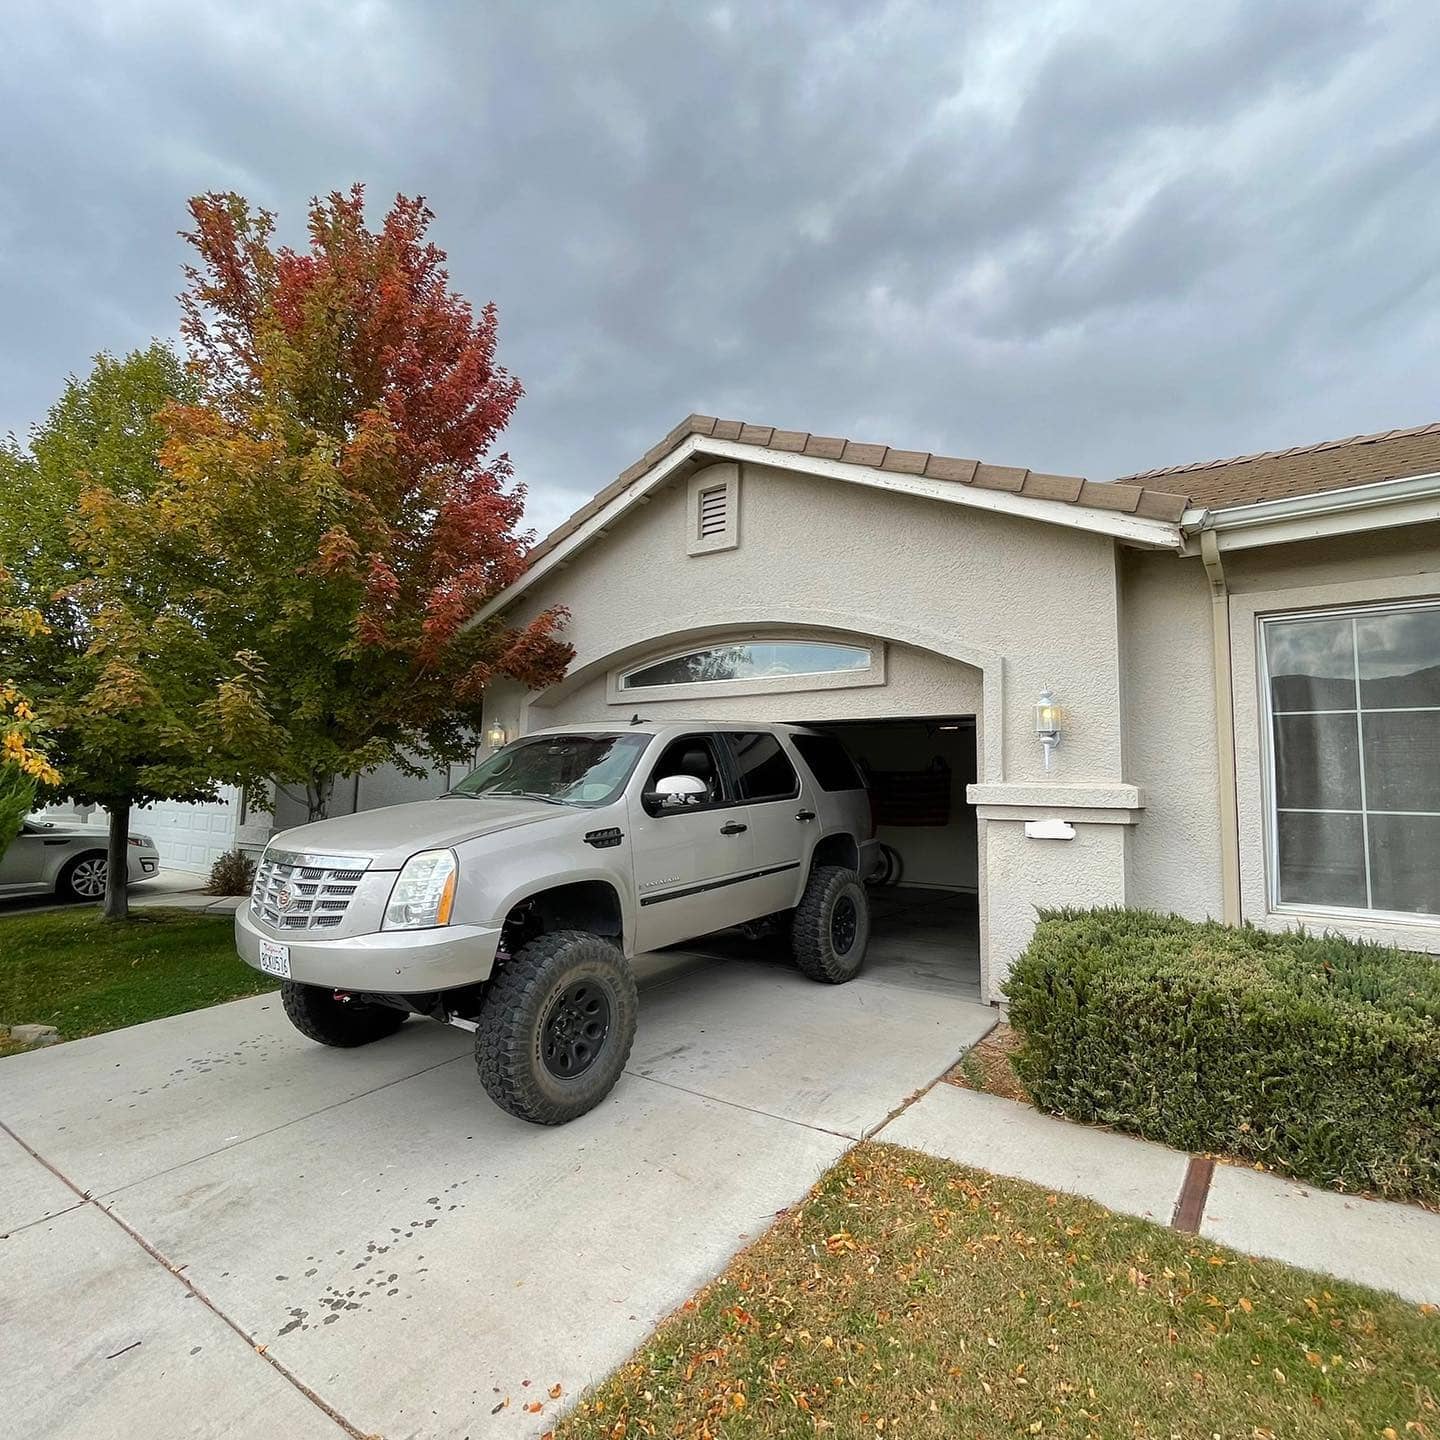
[{"x": 556, "y": 1391}]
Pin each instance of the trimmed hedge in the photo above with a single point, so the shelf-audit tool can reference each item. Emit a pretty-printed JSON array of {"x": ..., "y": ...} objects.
[{"x": 1317, "y": 1055}]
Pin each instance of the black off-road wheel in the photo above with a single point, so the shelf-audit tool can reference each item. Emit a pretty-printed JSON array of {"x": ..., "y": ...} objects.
[
  {"x": 556, "y": 1025},
  {"x": 318, "y": 1015},
  {"x": 831, "y": 926}
]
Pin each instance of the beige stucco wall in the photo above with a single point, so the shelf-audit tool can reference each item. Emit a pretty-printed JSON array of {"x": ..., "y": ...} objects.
[
  {"x": 981, "y": 611},
  {"x": 1354, "y": 570},
  {"x": 1173, "y": 861}
]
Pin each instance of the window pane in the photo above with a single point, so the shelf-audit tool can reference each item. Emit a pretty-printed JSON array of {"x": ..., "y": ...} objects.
[
  {"x": 1400, "y": 659},
  {"x": 1317, "y": 762},
  {"x": 750, "y": 661},
  {"x": 1405, "y": 863},
  {"x": 1311, "y": 664},
  {"x": 765, "y": 769},
  {"x": 828, "y": 762},
  {"x": 1322, "y": 860},
  {"x": 1402, "y": 759}
]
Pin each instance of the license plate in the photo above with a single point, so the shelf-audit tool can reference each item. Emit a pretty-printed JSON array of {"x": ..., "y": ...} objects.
[{"x": 275, "y": 958}]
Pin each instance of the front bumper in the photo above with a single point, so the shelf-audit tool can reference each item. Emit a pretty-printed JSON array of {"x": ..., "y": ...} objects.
[
  {"x": 403, "y": 962},
  {"x": 141, "y": 862}
]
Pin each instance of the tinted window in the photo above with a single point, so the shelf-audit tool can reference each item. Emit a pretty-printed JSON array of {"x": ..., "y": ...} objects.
[
  {"x": 765, "y": 769},
  {"x": 828, "y": 762},
  {"x": 750, "y": 660}
]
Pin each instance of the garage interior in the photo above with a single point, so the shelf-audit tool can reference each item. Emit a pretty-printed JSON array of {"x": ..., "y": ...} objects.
[{"x": 924, "y": 911}]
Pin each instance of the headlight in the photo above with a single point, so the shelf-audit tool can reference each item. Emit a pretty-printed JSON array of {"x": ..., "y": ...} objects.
[{"x": 424, "y": 894}]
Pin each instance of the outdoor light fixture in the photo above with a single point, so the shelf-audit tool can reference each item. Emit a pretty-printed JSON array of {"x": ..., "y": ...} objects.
[
  {"x": 1047, "y": 724},
  {"x": 496, "y": 736}
]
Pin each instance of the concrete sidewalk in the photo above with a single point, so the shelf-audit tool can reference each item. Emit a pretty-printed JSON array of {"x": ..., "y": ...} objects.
[
  {"x": 211, "y": 1227},
  {"x": 1373, "y": 1242}
]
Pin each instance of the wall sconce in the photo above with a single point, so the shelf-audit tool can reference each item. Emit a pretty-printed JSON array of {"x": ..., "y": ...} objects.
[
  {"x": 496, "y": 736},
  {"x": 1048, "y": 716}
]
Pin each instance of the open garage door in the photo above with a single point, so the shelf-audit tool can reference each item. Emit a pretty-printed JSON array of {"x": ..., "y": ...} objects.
[{"x": 923, "y": 899}]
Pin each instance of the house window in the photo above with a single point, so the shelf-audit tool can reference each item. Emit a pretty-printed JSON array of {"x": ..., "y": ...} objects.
[
  {"x": 756, "y": 660},
  {"x": 1354, "y": 759}
]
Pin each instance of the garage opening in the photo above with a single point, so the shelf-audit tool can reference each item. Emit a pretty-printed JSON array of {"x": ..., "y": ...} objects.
[
  {"x": 924, "y": 915},
  {"x": 925, "y": 922}
]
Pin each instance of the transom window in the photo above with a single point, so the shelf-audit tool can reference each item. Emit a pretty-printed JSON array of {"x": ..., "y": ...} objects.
[
  {"x": 1354, "y": 740},
  {"x": 749, "y": 660}
]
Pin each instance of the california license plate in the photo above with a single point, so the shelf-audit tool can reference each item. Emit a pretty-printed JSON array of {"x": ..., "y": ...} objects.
[{"x": 275, "y": 958}]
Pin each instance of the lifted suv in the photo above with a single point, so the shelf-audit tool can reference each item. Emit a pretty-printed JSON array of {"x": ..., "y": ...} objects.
[{"x": 509, "y": 905}]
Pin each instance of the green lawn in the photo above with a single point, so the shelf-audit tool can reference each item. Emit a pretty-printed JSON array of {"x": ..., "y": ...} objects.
[
  {"x": 908, "y": 1297},
  {"x": 73, "y": 970}
]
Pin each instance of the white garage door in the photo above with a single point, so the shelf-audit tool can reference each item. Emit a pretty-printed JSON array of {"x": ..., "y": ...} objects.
[{"x": 190, "y": 837}]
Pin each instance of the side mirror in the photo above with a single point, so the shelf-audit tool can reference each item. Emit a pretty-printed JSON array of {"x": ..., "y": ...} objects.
[{"x": 676, "y": 790}]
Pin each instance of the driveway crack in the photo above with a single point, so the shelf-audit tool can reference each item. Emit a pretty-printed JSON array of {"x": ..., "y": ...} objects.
[{"x": 284, "y": 1371}]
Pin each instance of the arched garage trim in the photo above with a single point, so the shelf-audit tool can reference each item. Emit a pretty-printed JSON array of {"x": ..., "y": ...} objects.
[{"x": 645, "y": 638}]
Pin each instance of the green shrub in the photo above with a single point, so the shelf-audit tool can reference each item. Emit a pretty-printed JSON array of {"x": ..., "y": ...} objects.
[
  {"x": 1313, "y": 1054},
  {"x": 232, "y": 874}
]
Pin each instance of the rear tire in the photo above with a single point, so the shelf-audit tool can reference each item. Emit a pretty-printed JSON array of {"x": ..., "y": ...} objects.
[
  {"x": 318, "y": 1015},
  {"x": 831, "y": 926},
  {"x": 556, "y": 1026},
  {"x": 83, "y": 878}
]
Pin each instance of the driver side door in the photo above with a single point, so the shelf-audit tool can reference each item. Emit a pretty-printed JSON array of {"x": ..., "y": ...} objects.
[{"x": 688, "y": 857}]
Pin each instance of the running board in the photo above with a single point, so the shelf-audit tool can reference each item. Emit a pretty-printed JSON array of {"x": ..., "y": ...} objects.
[{"x": 461, "y": 1024}]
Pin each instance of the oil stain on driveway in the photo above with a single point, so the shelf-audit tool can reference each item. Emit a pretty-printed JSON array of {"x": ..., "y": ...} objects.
[{"x": 214, "y": 1228}]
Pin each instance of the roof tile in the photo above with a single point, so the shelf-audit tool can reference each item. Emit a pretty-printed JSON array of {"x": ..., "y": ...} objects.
[
  {"x": 946, "y": 467},
  {"x": 1111, "y": 497},
  {"x": 858, "y": 454},
  {"x": 756, "y": 434},
  {"x": 791, "y": 440},
  {"x": 825, "y": 447},
  {"x": 727, "y": 430},
  {"x": 999, "y": 477},
  {"x": 906, "y": 462},
  {"x": 1053, "y": 487}
]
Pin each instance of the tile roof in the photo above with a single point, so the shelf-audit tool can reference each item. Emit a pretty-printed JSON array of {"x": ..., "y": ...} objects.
[
  {"x": 1305, "y": 469},
  {"x": 1146, "y": 501}
]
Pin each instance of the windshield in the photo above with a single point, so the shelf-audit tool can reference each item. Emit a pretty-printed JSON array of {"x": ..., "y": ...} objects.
[{"x": 564, "y": 769}]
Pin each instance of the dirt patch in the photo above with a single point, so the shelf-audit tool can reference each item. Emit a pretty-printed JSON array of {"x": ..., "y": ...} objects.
[{"x": 988, "y": 1066}]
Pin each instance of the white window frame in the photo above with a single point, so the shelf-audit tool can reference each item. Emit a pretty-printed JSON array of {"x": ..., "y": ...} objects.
[
  {"x": 1354, "y": 613},
  {"x": 619, "y": 694}
]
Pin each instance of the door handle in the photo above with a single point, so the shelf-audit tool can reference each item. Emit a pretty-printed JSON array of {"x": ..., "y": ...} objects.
[
  {"x": 804, "y": 814},
  {"x": 733, "y": 828}
]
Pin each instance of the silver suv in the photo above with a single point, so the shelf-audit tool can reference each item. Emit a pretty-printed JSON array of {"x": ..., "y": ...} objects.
[{"x": 509, "y": 905}]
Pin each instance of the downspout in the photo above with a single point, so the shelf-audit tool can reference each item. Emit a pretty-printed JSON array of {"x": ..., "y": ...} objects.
[{"x": 1224, "y": 726}]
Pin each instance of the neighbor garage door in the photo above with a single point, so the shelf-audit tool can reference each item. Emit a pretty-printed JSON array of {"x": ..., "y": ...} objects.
[{"x": 190, "y": 837}]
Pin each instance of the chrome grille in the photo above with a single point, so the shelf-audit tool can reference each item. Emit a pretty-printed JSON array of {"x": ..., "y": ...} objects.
[{"x": 304, "y": 892}]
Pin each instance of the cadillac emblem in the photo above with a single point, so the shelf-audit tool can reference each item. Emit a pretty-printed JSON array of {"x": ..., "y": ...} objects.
[{"x": 284, "y": 898}]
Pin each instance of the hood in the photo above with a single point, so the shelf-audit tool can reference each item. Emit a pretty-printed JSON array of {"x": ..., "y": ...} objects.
[
  {"x": 71, "y": 830},
  {"x": 388, "y": 837}
]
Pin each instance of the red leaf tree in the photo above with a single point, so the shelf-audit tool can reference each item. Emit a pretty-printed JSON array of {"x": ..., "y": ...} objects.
[{"x": 334, "y": 499}]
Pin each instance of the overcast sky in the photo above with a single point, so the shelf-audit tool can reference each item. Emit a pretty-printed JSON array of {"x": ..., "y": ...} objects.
[{"x": 1079, "y": 236}]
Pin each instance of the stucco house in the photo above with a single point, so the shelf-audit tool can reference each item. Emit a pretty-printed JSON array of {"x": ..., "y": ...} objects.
[{"x": 1238, "y": 662}]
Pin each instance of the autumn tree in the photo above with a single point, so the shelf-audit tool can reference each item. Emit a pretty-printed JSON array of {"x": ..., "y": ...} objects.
[
  {"x": 112, "y": 656},
  {"x": 334, "y": 500}
]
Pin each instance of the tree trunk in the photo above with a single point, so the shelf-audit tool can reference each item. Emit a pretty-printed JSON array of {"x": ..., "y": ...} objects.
[
  {"x": 317, "y": 796},
  {"x": 117, "y": 854}
]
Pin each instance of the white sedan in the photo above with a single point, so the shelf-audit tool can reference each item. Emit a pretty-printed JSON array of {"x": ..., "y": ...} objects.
[{"x": 51, "y": 857}]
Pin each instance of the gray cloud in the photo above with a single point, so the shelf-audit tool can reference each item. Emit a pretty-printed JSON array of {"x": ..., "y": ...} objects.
[{"x": 1075, "y": 237}]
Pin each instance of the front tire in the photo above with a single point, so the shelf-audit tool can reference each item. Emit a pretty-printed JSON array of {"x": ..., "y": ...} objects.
[
  {"x": 316, "y": 1013},
  {"x": 556, "y": 1025},
  {"x": 84, "y": 877},
  {"x": 831, "y": 926}
]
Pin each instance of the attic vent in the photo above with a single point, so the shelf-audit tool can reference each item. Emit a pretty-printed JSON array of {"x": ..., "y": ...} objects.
[{"x": 714, "y": 511}]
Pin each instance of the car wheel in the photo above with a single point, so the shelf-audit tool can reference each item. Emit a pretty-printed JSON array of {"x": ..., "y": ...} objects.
[
  {"x": 831, "y": 926},
  {"x": 83, "y": 878},
  {"x": 316, "y": 1013},
  {"x": 556, "y": 1026}
]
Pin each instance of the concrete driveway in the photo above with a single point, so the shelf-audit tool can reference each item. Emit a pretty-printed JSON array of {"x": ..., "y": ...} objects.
[{"x": 214, "y": 1228}]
